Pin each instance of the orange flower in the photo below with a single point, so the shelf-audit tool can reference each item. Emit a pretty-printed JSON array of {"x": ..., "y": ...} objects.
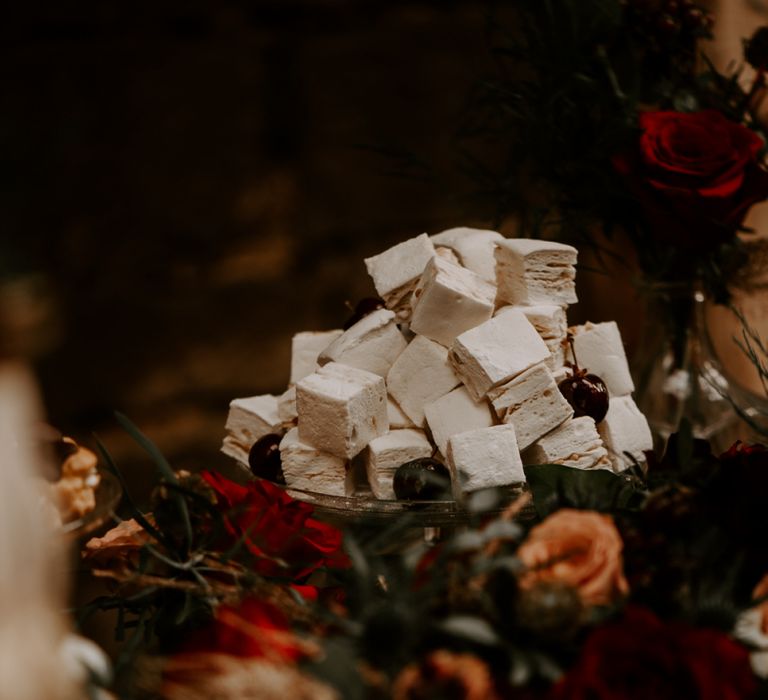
[
  {"x": 119, "y": 547},
  {"x": 579, "y": 548},
  {"x": 444, "y": 674}
]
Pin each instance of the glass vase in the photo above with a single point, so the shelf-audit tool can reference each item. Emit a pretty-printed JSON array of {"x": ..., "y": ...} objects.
[{"x": 678, "y": 375}]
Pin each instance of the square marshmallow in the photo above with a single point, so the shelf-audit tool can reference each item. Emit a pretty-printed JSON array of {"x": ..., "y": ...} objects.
[
  {"x": 449, "y": 300},
  {"x": 600, "y": 350},
  {"x": 549, "y": 320},
  {"x": 556, "y": 358},
  {"x": 396, "y": 271},
  {"x": 530, "y": 271},
  {"x": 447, "y": 254},
  {"x": 388, "y": 452},
  {"x": 454, "y": 413},
  {"x": 372, "y": 344},
  {"x": 532, "y": 403},
  {"x": 551, "y": 324},
  {"x": 305, "y": 348},
  {"x": 286, "y": 406},
  {"x": 484, "y": 458},
  {"x": 310, "y": 469},
  {"x": 397, "y": 419},
  {"x": 249, "y": 419},
  {"x": 420, "y": 375},
  {"x": 496, "y": 351},
  {"x": 625, "y": 429},
  {"x": 474, "y": 247},
  {"x": 575, "y": 443},
  {"x": 341, "y": 409}
]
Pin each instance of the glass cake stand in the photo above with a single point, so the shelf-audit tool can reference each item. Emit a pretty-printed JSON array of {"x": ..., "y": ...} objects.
[
  {"x": 339, "y": 510},
  {"x": 108, "y": 494}
]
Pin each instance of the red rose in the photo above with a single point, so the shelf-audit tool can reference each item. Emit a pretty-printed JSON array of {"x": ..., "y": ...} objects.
[
  {"x": 641, "y": 657},
  {"x": 741, "y": 453},
  {"x": 253, "y": 629},
  {"x": 281, "y": 534},
  {"x": 695, "y": 175}
]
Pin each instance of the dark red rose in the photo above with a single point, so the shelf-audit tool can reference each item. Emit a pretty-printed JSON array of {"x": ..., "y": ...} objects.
[
  {"x": 695, "y": 174},
  {"x": 253, "y": 629},
  {"x": 741, "y": 453},
  {"x": 639, "y": 656},
  {"x": 281, "y": 532}
]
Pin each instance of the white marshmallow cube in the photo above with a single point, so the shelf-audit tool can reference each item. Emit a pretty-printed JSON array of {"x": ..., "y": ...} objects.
[
  {"x": 372, "y": 344},
  {"x": 530, "y": 271},
  {"x": 600, "y": 350},
  {"x": 454, "y": 413},
  {"x": 396, "y": 271},
  {"x": 484, "y": 458},
  {"x": 447, "y": 254},
  {"x": 532, "y": 403},
  {"x": 397, "y": 419},
  {"x": 249, "y": 419},
  {"x": 449, "y": 300},
  {"x": 309, "y": 469},
  {"x": 420, "y": 375},
  {"x": 549, "y": 320},
  {"x": 386, "y": 453},
  {"x": 341, "y": 409},
  {"x": 550, "y": 323},
  {"x": 286, "y": 406},
  {"x": 575, "y": 443},
  {"x": 474, "y": 248},
  {"x": 496, "y": 351},
  {"x": 625, "y": 430},
  {"x": 305, "y": 348}
]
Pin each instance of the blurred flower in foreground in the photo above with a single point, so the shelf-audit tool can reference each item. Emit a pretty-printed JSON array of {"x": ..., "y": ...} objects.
[
  {"x": 278, "y": 530},
  {"x": 579, "y": 548},
  {"x": 640, "y": 656},
  {"x": 444, "y": 674}
]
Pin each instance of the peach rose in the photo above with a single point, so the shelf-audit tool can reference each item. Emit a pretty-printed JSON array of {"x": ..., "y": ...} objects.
[
  {"x": 119, "y": 548},
  {"x": 579, "y": 548},
  {"x": 445, "y": 674}
]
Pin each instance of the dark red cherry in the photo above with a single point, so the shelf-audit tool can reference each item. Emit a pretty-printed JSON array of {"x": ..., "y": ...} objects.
[
  {"x": 363, "y": 307},
  {"x": 586, "y": 393},
  {"x": 264, "y": 458},
  {"x": 423, "y": 479}
]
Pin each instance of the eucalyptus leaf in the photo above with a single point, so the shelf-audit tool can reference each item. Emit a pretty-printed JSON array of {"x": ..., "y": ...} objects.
[
  {"x": 502, "y": 529},
  {"x": 472, "y": 629},
  {"x": 469, "y": 541},
  {"x": 483, "y": 501}
]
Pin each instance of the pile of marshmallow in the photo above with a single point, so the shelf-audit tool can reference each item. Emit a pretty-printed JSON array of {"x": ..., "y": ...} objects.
[{"x": 462, "y": 365}]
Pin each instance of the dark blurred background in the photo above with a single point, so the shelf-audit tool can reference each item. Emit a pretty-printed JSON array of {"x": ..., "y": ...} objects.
[
  {"x": 189, "y": 183},
  {"x": 194, "y": 182}
]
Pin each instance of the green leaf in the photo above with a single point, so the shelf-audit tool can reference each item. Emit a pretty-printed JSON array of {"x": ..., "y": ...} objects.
[
  {"x": 135, "y": 512},
  {"x": 470, "y": 628},
  {"x": 163, "y": 467},
  {"x": 555, "y": 486}
]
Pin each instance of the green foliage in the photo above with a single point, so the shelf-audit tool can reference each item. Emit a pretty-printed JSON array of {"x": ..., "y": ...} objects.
[
  {"x": 555, "y": 486},
  {"x": 571, "y": 78}
]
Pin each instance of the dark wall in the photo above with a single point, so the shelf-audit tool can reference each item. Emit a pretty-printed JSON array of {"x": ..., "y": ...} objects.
[{"x": 200, "y": 180}]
